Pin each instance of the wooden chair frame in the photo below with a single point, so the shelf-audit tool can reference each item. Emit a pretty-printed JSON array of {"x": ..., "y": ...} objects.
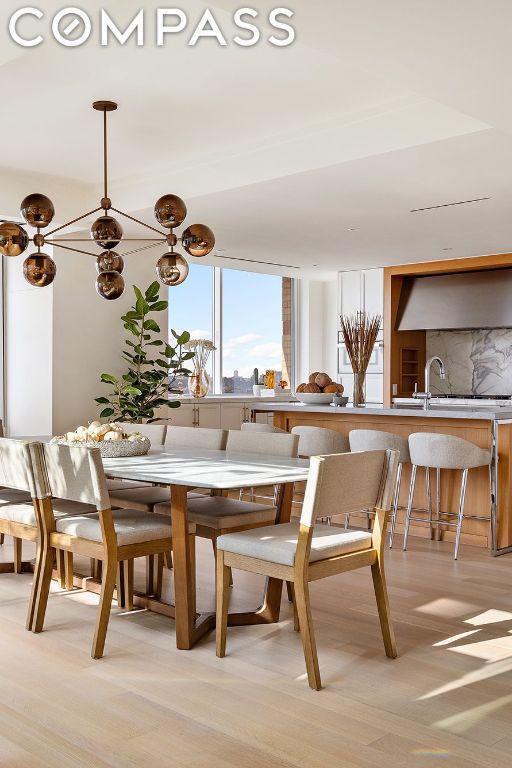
[{"x": 303, "y": 571}]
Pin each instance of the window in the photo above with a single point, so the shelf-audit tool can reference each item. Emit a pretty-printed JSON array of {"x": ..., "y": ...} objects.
[
  {"x": 191, "y": 309},
  {"x": 252, "y": 330},
  {"x": 253, "y": 310}
]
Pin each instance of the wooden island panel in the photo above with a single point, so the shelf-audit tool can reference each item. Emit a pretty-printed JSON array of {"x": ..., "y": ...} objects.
[{"x": 477, "y": 431}]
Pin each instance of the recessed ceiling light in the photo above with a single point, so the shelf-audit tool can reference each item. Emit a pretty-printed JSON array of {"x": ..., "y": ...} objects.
[
  {"x": 353, "y": 229},
  {"x": 447, "y": 249}
]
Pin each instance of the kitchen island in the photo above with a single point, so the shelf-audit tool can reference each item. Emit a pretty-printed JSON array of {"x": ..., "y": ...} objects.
[{"x": 489, "y": 428}]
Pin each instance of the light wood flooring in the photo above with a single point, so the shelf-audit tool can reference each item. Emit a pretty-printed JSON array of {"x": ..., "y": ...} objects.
[{"x": 447, "y": 699}]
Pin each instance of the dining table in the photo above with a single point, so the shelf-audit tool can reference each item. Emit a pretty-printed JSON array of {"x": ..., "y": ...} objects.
[{"x": 216, "y": 472}]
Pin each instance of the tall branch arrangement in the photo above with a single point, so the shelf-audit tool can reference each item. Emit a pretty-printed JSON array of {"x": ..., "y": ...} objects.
[
  {"x": 154, "y": 365},
  {"x": 360, "y": 333}
]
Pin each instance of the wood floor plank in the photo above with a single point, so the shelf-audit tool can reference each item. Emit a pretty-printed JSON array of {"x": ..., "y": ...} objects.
[{"x": 448, "y": 697}]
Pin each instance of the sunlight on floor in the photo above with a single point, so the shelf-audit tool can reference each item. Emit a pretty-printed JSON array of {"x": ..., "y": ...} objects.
[
  {"x": 455, "y": 638},
  {"x": 497, "y": 649},
  {"x": 492, "y": 616},
  {"x": 492, "y": 669},
  {"x": 447, "y": 608},
  {"x": 469, "y": 718}
]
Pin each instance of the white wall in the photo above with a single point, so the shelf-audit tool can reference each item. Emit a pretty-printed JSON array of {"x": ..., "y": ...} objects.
[
  {"x": 88, "y": 335},
  {"x": 317, "y": 327},
  {"x": 28, "y": 353}
]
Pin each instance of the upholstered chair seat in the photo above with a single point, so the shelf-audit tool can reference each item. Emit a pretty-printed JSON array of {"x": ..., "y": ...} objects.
[
  {"x": 220, "y": 513},
  {"x": 131, "y": 526},
  {"x": 278, "y": 543}
]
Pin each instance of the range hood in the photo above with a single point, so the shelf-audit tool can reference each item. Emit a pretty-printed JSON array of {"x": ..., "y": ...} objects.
[{"x": 456, "y": 301}]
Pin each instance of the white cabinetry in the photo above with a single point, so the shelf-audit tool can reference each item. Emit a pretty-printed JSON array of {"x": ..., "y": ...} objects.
[{"x": 215, "y": 415}]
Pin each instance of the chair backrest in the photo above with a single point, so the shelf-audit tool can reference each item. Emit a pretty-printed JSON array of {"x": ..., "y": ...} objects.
[
  {"x": 183, "y": 438},
  {"x": 154, "y": 432},
  {"x": 318, "y": 441},
  {"x": 21, "y": 467},
  {"x": 270, "y": 444},
  {"x": 348, "y": 482},
  {"x": 375, "y": 440},
  {"x": 254, "y": 426},
  {"x": 76, "y": 473}
]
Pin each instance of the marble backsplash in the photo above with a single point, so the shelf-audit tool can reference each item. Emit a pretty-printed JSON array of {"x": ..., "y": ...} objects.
[{"x": 476, "y": 362}]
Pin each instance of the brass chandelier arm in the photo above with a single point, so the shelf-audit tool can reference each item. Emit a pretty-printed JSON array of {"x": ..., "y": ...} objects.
[
  {"x": 105, "y": 156},
  {"x": 124, "y": 240},
  {"x": 137, "y": 221},
  {"x": 69, "y": 223},
  {"x": 58, "y": 244}
]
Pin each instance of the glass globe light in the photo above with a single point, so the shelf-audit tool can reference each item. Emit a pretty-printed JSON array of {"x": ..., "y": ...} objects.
[
  {"x": 107, "y": 232},
  {"x": 170, "y": 211},
  {"x": 110, "y": 285},
  {"x": 13, "y": 239},
  {"x": 198, "y": 240},
  {"x": 37, "y": 210},
  {"x": 109, "y": 261},
  {"x": 39, "y": 270},
  {"x": 172, "y": 269}
]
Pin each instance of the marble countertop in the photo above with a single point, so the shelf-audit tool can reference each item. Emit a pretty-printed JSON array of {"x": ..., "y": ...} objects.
[{"x": 453, "y": 412}]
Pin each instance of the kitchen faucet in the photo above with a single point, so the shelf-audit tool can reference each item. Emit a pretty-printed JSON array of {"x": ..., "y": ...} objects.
[{"x": 426, "y": 395}]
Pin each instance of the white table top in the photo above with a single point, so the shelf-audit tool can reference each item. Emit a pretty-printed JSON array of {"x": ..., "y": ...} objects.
[{"x": 215, "y": 470}]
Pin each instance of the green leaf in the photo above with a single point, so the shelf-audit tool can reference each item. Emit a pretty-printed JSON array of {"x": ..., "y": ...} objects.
[
  {"x": 107, "y": 378},
  {"x": 184, "y": 338},
  {"x": 174, "y": 404},
  {"x": 133, "y": 391},
  {"x": 142, "y": 306},
  {"x": 153, "y": 291},
  {"x": 159, "y": 306},
  {"x": 151, "y": 325},
  {"x": 138, "y": 292},
  {"x": 103, "y": 400},
  {"x": 106, "y": 413}
]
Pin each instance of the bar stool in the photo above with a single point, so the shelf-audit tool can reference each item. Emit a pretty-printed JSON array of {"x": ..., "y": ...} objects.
[
  {"x": 375, "y": 440},
  {"x": 445, "y": 452}
]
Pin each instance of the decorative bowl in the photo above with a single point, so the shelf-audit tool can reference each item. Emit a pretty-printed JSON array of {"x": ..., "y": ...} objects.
[
  {"x": 314, "y": 398},
  {"x": 114, "y": 449}
]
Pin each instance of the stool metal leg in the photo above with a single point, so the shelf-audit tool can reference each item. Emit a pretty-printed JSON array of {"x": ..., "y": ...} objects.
[
  {"x": 395, "y": 505},
  {"x": 461, "y": 510},
  {"x": 438, "y": 503},
  {"x": 429, "y": 499},
  {"x": 409, "y": 504}
]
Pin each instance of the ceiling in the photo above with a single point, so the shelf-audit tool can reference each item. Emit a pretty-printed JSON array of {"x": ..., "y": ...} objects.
[{"x": 310, "y": 157}]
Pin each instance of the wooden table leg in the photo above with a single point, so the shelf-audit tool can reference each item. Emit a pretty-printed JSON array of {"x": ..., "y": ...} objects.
[{"x": 184, "y": 598}]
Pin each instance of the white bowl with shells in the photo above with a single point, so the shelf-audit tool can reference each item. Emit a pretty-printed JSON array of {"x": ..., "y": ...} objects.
[{"x": 111, "y": 439}]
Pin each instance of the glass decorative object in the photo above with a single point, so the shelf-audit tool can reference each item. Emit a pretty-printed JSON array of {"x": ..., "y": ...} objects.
[
  {"x": 199, "y": 383},
  {"x": 107, "y": 232},
  {"x": 170, "y": 211},
  {"x": 13, "y": 239},
  {"x": 110, "y": 285},
  {"x": 198, "y": 240},
  {"x": 37, "y": 210},
  {"x": 172, "y": 269},
  {"x": 39, "y": 270}
]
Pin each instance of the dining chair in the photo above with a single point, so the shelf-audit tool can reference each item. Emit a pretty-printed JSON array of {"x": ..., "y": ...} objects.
[
  {"x": 111, "y": 536},
  {"x": 306, "y": 551},
  {"x": 179, "y": 438},
  {"x": 156, "y": 435},
  {"x": 215, "y": 515},
  {"x": 316, "y": 441},
  {"x": 254, "y": 426}
]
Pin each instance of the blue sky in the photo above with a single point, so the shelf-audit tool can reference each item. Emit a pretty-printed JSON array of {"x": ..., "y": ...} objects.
[{"x": 252, "y": 316}]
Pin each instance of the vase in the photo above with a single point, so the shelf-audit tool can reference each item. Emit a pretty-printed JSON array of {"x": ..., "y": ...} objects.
[
  {"x": 359, "y": 395},
  {"x": 199, "y": 383}
]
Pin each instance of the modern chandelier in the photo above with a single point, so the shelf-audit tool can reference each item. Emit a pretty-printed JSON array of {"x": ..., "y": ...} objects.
[{"x": 107, "y": 233}]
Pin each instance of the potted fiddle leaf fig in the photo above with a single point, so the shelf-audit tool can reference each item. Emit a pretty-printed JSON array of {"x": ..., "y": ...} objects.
[{"x": 153, "y": 368}]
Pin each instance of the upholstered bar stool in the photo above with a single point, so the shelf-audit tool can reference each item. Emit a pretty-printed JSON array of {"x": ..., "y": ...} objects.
[
  {"x": 435, "y": 451},
  {"x": 375, "y": 440}
]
